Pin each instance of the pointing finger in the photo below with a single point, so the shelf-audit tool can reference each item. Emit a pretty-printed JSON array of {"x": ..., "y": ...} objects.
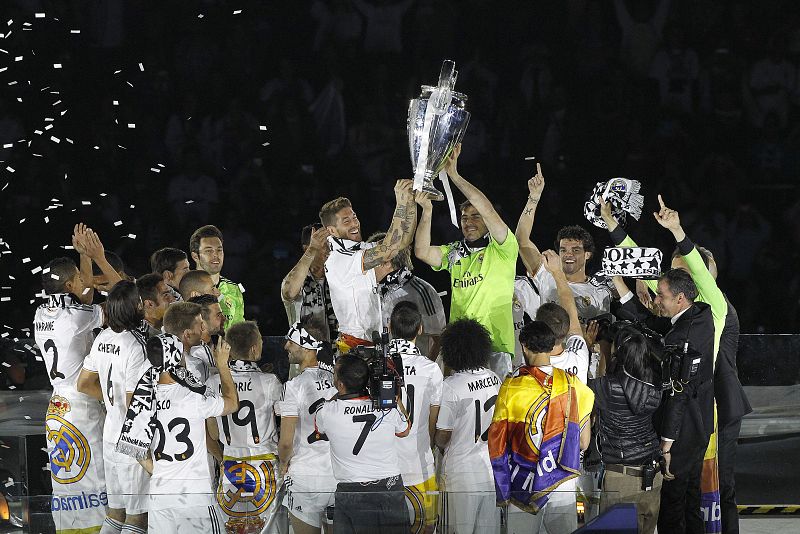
[
  {"x": 661, "y": 201},
  {"x": 538, "y": 169}
]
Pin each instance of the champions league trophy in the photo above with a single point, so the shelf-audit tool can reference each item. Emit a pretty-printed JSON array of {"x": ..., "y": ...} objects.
[{"x": 437, "y": 121}]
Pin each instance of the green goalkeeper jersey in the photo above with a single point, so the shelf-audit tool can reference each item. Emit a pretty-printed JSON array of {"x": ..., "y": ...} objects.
[{"x": 231, "y": 301}]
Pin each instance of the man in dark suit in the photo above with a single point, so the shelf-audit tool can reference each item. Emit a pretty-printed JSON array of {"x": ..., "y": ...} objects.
[{"x": 688, "y": 412}]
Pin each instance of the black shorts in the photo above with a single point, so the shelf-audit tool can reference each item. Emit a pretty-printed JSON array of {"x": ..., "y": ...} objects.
[{"x": 369, "y": 507}]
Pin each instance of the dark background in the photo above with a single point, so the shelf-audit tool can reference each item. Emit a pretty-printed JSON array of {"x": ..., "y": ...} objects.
[{"x": 696, "y": 99}]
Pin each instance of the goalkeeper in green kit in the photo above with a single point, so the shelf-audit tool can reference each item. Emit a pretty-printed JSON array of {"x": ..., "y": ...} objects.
[{"x": 208, "y": 254}]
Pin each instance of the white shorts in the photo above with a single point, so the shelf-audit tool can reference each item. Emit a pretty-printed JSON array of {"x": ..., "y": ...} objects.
[
  {"x": 192, "y": 520},
  {"x": 307, "y": 497},
  {"x": 127, "y": 484}
]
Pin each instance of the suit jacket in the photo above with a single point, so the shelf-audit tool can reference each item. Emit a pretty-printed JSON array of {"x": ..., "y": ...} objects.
[
  {"x": 732, "y": 403},
  {"x": 687, "y": 416}
]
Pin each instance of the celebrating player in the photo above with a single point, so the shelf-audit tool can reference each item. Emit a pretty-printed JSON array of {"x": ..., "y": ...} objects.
[{"x": 209, "y": 255}]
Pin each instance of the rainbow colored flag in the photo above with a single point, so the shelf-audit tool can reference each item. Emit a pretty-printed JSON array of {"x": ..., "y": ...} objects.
[{"x": 709, "y": 485}]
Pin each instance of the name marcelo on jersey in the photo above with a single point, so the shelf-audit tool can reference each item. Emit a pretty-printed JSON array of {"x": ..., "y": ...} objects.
[{"x": 483, "y": 383}]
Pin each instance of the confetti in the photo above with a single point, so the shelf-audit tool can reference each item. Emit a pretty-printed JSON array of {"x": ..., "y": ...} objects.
[
  {"x": 5, "y": 299},
  {"x": 22, "y": 220},
  {"x": 39, "y": 15},
  {"x": 529, "y": 158},
  {"x": 25, "y": 260},
  {"x": 115, "y": 102},
  {"x": 262, "y": 128},
  {"x": 47, "y": 220},
  {"x": 56, "y": 65},
  {"x": 131, "y": 125},
  {"x": 200, "y": 16},
  {"x": 237, "y": 11},
  {"x": 36, "y": 270},
  {"x": 189, "y": 202},
  {"x": 86, "y": 202},
  {"x": 55, "y": 139},
  {"x": 442, "y": 293},
  {"x": 117, "y": 223},
  {"x": 155, "y": 169},
  {"x": 241, "y": 288},
  {"x": 141, "y": 67},
  {"x": 18, "y": 58},
  {"x": 55, "y": 277},
  {"x": 86, "y": 290},
  {"x": 74, "y": 31},
  {"x": 132, "y": 236},
  {"x": 10, "y": 169}
]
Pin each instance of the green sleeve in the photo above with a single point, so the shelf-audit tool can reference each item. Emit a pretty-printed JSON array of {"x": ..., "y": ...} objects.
[{"x": 445, "y": 265}]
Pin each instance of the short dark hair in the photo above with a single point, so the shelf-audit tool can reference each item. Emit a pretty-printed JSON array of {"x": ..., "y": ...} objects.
[
  {"x": 578, "y": 233},
  {"x": 327, "y": 214},
  {"x": 148, "y": 286},
  {"x": 242, "y": 337},
  {"x": 705, "y": 254},
  {"x": 191, "y": 281},
  {"x": 56, "y": 274},
  {"x": 633, "y": 351},
  {"x": 537, "y": 337},
  {"x": 113, "y": 259},
  {"x": 305, "y": 233},
  {"x": 166, "y": 259},
  {"x": 679, "y": 281},
  {"x": 208, "y": 230},
  {"x": 405, "y": 320},
  {"x": 465, "y": 344},
  {"x": 353, "y": 373},
  {"x": 556, "y": 317},
  {"x": 180, "y": 316},
  {"x": 122, "y": 307},
  {"x": 464, "y": 205},
  {"x": 205, "y": 301}
]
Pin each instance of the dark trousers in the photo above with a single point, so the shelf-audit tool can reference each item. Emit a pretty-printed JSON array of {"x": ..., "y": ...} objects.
[
  {"x": 728, "y": 436},
  {"x": 680, "y": 499},
  {"x": 370, "y": 507}
]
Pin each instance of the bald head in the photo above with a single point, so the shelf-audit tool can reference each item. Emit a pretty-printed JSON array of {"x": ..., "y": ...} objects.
[{"x": 196, "y": 283}]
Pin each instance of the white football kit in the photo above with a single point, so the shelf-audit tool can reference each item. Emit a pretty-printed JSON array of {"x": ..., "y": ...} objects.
[
  {"x": 414, "y": 289},
  {"x": 181, "y": 499},
  {"x": 309, "y": 480},
  {"x": 63, "y": 330},
  {"x": 363, "y": 439},
  {"x": 248, "y": 487},
  {"x": 467, "y": 407},
  {"x": 200, "y": 362},
  {"x": 575, "y": 358},
  {"x": 353, "y": 291},
  {"x": 120, "y": 360},
  {"x": 525, "y": 302}
]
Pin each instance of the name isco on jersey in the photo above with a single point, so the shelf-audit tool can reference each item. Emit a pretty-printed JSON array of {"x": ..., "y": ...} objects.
[
  {"x": 467, "y": 280},
  {"x": 356, "y": 410},
  {"x": 483, "y": 383}
]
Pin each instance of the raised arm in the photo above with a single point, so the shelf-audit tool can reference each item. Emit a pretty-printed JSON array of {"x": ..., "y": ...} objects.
[
  {"x": 78, "y": 243},
  {"x": 229, "y": 394},
  {"x": 96, "y": 251},
  {"x": 432, "y": 255},
  {"x": 552, "y": 263},
  {"x": 620, "y": 238},
  {"x": 491, "y": 218},
  {"x": 401, "y": 231},
  {"x": 531, "y": 257},
  {"x": 292, "y": 283}
]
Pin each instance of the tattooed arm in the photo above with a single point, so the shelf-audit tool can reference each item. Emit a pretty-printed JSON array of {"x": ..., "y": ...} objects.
[
  {"x": 293, "y": 282},
  {"x": 401, "y": 231},
  {"x": 529, "y": 253},
  {"x": 497, "y": 228}
]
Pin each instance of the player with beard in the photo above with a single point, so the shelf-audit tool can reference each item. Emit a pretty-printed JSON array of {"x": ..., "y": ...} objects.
[
  {"x": 305, "y": 291},
  {"x": 63, "y": 329},
  {"x": 200, "y": 359},
  {"x": 350, "y": 267},
  {"x": 208, "y": 254},
  {"x": 156, "y": 296},
  {"x": 112, "y": 369},
  {"x": 172, "y": 264},
  {"x": 482, "y": 265},
  {"x": 575, "y": 246},
  {"x": 249, "y": 436},
  {"x": 304, "y": 453}
]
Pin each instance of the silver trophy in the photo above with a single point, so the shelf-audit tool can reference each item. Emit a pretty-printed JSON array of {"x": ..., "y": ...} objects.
[{"x": 437, "y": 121}]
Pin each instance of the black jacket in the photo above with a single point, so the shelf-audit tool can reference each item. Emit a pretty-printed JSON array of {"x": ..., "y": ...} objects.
[
  {"x": 732, "y": 403},
  {"x": 625, "y": 408},
  {"x": 688, "y": 415}
]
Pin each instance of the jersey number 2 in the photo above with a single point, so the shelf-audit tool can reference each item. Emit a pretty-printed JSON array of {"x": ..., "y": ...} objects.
[{"x": 50, "y": 344}]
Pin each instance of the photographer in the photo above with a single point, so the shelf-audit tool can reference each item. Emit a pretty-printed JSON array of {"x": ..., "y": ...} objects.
[
  {"x": 688, "y": 411},
  {"x": 363, "y": 439},
  {"x": 625, "y": 401}
]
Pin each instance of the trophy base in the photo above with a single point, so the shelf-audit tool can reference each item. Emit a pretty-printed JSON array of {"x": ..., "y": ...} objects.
[{"x": 432, "y": 191}]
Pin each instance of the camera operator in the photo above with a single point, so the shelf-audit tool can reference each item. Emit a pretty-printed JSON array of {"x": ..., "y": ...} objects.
[
  {"x": 688, "y": 415},
  {"x": 363, "y": 438},
  {"x": 625, "y": 400}
]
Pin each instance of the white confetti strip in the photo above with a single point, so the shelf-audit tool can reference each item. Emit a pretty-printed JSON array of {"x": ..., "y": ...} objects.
[
  {"x": 39, "y": 15},
  {"x": 56, "y": 65},
  {"x": 47, "y": 220},
  {"x": 115, "y": 102},
  {"x": 55, "y": 139},
  {"x": 155, "y": 169},
  {"x": 74, "y": 31},
  {"x": 5, "y": 299},
  {"x": 190, "y": 202},
  {"x": 141, "y": 67},
  {"x": 262, "y": 128},
  {"x": 132, "y": 236},
  {"x": 25, "y": 260},
  {"x": 86, "y": 202},
  {"x": 10, "y": 169},
  {"x": 36, "y": 270},
  {"x": 241, "y": 288},
  {"x": 55, "y": 277},
  {"x": 131, "y": 125},
  {"x": 237, "y": 11},
  {"x": 117, "y": 223}
]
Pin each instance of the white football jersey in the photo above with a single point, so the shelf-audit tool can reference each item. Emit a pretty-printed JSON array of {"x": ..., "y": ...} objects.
[
  {"x": 353, "y": 292},
  {"x": 200, "y": 362},
  {"x": 592, "y": 298},
  {"x": 525, "y": 302},
  {"x": 468, "y": 399},
  {"x": 575, "y": 358},
  {"x": 250, "y": 430},
  {"x": 181, "y": 472},
  {"x": 63, "y": 329},
  {"x": 423, "y": 389},
  {"x": 429, "y": 304},
  {"x": 303, "y": 395},
  {"x": 363, "y": 439},
  {"x": 120, "y": 360}
]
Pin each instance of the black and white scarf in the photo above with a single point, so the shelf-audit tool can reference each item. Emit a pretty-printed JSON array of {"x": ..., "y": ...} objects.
[
  {"x": 138, "y": 428},
  {"x": 462, "y": 249},
  {"x": 633, "y": 262},
  {"x": 316, "y": 294},
  {"x": 299, "y": 336},
  {"x": 403, "y": 347},
  {"x": 395, "y": 280},
  {"x": 622, "y": 194},
  {"x": 243, "y": 366}
]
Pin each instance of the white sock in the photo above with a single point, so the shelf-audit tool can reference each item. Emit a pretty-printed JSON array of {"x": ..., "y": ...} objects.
[
  {"x": 111, "y": 526},
  {"x": 133, "y": 529}
]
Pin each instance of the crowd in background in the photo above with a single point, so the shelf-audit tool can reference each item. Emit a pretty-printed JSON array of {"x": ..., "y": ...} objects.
[{"x": 697, "y": 100}]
